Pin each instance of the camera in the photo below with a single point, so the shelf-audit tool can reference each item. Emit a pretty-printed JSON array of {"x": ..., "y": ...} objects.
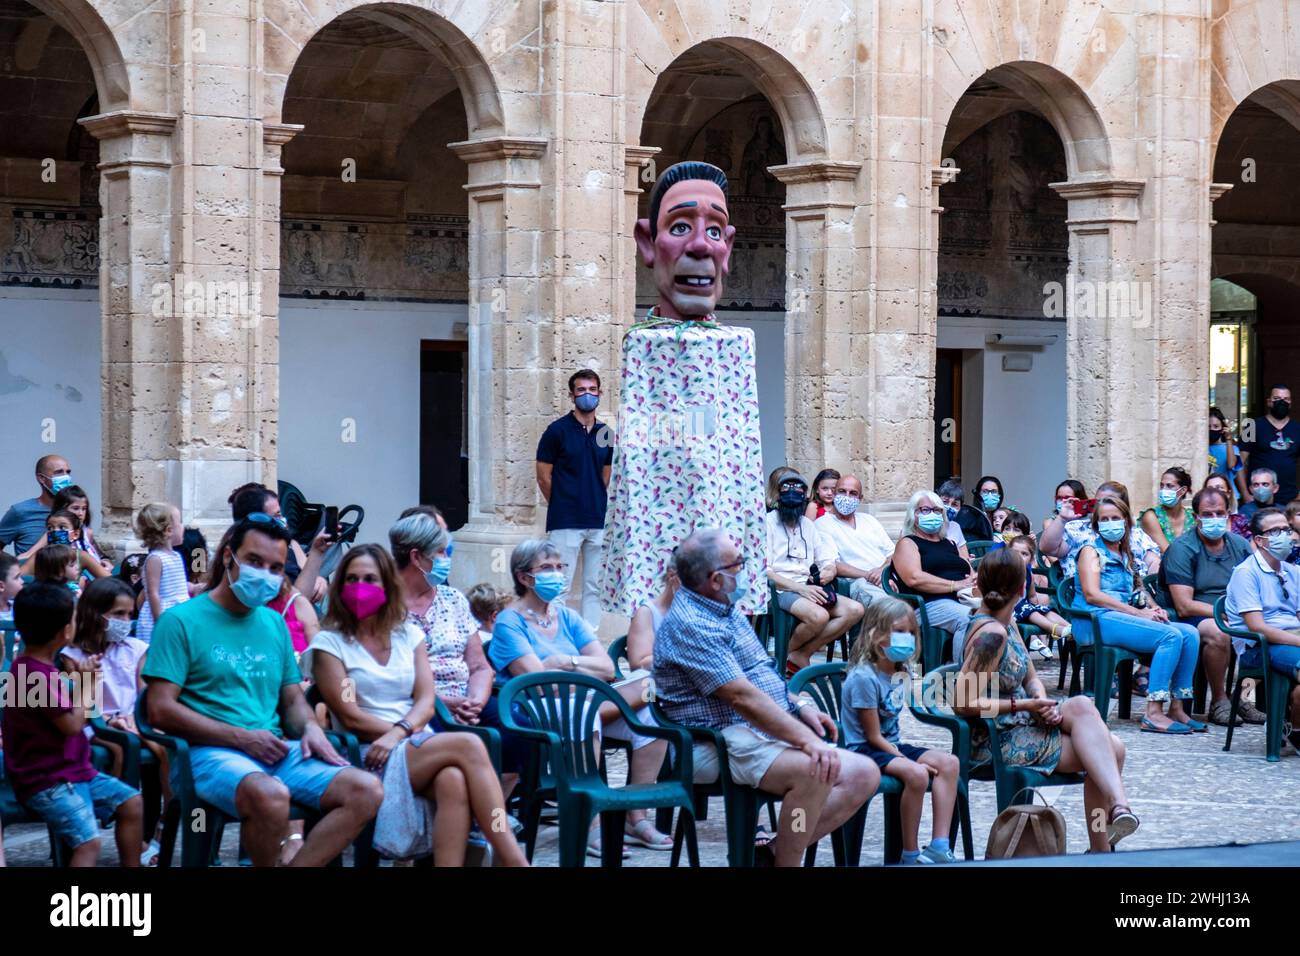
[{"x": 815, "y": 579}]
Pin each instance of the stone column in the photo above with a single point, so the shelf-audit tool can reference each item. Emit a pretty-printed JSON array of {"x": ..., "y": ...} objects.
[
  {"x": 139, "y": 397},
  {"x": 636, "y": 160},
  {"x": 822, "y": 383},
  {"x": 505, "y": 359},
  {"x": 1110, "y": 394}
]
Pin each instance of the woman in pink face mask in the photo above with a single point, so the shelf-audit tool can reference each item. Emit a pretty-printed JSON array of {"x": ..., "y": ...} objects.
[{"x": 373, "y": 673}]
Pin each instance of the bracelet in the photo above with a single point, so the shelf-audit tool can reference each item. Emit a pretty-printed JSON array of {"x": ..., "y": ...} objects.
[
  {"x": 1013, "y": 705},
  {"x": 405, "y": 725}
]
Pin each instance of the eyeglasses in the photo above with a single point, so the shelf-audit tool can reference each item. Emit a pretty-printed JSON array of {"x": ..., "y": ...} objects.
[
  {"x": 561, "y": 567},
  {"x": 733, "y": 566},
  {"x": 786, "y": 485},
  {"x": 926, "y": 510}
]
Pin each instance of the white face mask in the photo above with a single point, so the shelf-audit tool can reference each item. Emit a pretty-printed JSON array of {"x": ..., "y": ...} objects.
[{"x": 116, "y": 629}]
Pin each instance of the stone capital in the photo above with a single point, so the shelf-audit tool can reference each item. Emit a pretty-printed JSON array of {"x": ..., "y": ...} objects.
[
  {"x": 105, "y": 126},
  {"x": 814, "y": 187},
  {"x": 498, "y": 163},
  {"x": 1100, "y": 203},
  {"x": 131, "y": 138},
  {"x": 635, "y": 159},
  {"x": 279, "y": 134}
]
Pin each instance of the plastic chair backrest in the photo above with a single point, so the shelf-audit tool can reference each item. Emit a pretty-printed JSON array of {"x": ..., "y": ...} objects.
[
  {"x": 825, "y": 684},
  {"x": 618, "y": 654},
  {"x": 565, "y": 707}
]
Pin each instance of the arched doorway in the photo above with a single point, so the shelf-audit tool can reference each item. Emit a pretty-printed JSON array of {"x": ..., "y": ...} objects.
[
  {"x": 50, "y": 315},
  {"x": 1256, "y": 246},
  {"x": 708, "y": 106},
  {"x": 1000, "y": 361},
  {"x": 374, "y": 278}
]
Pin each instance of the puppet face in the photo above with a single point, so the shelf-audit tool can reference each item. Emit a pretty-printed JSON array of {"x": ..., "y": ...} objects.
[{"x": 691, "y": 251}]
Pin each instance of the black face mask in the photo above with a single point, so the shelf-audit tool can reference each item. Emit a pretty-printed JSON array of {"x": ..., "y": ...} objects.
[
  {"x": 1215, "y": 437},
  {"x": 792, "y": 498},
  {"x": 1280, "y": 409}
]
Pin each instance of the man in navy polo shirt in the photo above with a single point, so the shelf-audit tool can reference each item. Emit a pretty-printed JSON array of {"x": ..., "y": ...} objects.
[
  {"x": 574, "y": 457},
  {"x": 1274, "y": 442}
]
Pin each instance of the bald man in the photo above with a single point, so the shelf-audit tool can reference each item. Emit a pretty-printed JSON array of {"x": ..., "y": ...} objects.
[
  {"x": 863, "y": 544},
  {"x": 24, "y": 522}
]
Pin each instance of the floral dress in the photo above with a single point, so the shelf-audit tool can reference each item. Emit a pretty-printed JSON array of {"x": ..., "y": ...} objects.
[
  {"x": 1025, "y": 742},
  {"x": 1163, "y": 519},
  {"x": 688, "y": 455}
]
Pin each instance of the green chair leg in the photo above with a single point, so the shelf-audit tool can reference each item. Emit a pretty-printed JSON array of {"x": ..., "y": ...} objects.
[{"x": 1278, "y": 691}]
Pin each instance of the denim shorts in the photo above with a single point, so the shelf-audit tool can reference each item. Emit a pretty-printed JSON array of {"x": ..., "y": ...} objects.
[
  {"x": 883, "y": 757},
  {"x": 1284, "y": 658},
  {"x": 74, "y": 811},
  {"x": 218, "y": 771}
]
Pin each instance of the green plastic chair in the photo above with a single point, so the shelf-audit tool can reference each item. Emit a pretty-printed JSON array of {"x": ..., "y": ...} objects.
[
  {"x": 562, "y": 708},
  {"x": 1106, "y": 658},
  {"x": 1277, "y": 687},
  {"x": 825, "y": 683},
  {"x": 977, "y": 550},
  {"x": 1013, "y": 785},
  {"x": 780, "y": 625},
  {"x": 934, "y": 642},
  {"x": 617, "y": 652}
]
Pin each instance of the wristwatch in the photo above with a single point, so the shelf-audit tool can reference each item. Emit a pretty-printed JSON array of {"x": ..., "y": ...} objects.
[{"x": 802, "y": 702}]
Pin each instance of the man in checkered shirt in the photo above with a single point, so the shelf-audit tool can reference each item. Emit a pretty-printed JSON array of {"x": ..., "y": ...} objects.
[{"x": 711, "y": 671}]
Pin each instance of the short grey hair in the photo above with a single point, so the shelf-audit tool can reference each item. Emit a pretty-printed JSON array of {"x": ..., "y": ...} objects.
[
  {"x": 419, "y": 532},
  {"x": 525, "y": 554},
  {"x": 929, "y": 497},
  {"x": 698, "y": 556},
  {"x": 1272, "y": 475},
  {"x": 952, "y": 488}
]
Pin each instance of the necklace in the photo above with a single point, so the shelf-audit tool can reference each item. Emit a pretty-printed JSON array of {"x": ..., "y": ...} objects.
[{"x": 546, "y": 621}]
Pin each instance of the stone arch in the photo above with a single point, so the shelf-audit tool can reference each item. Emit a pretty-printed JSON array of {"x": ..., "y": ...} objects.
[
  {"x": 1254, "y": 53},
  {"x": 442, "y": 27},
  {"x": 1047, "y": 91},
  {"x": 88, "y": 28},
  {"x": 780, "y": 82}
]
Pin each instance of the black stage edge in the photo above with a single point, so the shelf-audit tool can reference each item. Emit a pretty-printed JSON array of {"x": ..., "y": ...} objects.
[{"x": 1222, "y": 891}]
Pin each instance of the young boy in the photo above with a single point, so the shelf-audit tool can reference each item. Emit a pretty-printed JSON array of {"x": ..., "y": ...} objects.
[{"x": 47, "y": 754}]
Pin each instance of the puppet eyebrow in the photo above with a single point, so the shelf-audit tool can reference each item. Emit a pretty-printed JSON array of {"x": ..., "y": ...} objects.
[{"x": 689, "y": 204}]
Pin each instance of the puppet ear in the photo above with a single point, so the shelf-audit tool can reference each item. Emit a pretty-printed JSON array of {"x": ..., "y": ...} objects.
[
  {"x": 644, "y": 244},
  {"x": 729, "y": 237}
]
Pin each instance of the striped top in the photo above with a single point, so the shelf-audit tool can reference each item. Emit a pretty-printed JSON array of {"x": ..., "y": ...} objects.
[{"x": 172, "y": 589}]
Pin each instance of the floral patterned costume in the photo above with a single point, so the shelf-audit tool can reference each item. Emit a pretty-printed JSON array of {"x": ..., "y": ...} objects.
[{"x": 688, "y": 456}]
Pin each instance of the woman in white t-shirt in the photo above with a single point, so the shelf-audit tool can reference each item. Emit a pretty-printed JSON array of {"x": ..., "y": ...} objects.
[{"x": 373, "y": 672}]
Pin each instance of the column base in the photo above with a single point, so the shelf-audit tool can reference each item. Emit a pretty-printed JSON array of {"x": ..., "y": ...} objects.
[{"x": 890, "y": 514}]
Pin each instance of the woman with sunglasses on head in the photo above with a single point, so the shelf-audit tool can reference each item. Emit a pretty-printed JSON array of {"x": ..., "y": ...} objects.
[{"x": 929, "y": 565}]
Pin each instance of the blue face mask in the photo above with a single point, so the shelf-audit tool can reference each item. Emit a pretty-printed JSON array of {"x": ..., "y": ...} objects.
[
  {"x": 1262, "y": 494},
  {"x": 255, "y": 586},
  {"x": 1280, "y": 545},
  {"x": 59, "y": 482},
  {"x": 548, "y": 585},
  {"x": 930, "y": 523},
  {"x": 1214, "y": 528},
  {"x": 902, "y": 645},
  {"x": 991, "y": 500},
  {"x": 439, "y": 573},
  {"x": 1111, "y": 529},
  {"x": 1168, "y": 497},
  {"x": 952, "y": 513},
  {"x": 738, "y": 590},
  {"x": 587, "y": 403}
]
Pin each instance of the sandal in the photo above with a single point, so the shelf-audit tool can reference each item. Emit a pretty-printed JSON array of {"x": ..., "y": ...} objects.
[
  {"x": 1140, "y": 685},
  {"x": 762, "y": 837},
  {"x": 149, "y": 857},
  {"x": 1148, "y": 727},
  {"x": 1123, "y": 822},
  {"x": 643, "y": 833},
  {"x": 593, "y": 849}
]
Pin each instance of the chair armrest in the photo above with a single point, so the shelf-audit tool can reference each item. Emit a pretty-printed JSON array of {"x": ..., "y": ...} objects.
[
  {"x": 956, "y": 726},
  {"x": 130, "y": 745},
  {"x": 348, "y": 744}
]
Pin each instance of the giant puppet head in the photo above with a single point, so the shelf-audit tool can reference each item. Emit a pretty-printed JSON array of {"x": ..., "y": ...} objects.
[{"x": 687, "y": 240}]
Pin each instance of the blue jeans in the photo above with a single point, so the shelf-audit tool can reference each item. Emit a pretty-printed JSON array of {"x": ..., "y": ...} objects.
[{"x": 1173, "y": 649}]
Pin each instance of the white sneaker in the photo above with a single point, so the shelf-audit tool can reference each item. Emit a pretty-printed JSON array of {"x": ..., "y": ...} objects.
[{"x": 1037, "y": 646}]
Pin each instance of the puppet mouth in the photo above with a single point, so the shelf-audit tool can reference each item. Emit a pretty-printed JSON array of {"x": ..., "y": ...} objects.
[{"x": 694, "y": 282}]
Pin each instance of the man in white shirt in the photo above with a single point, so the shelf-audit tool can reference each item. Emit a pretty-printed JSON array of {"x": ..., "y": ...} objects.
[
  {"x": 863, "y": 544},
  {"x": 795, "y": 552}
]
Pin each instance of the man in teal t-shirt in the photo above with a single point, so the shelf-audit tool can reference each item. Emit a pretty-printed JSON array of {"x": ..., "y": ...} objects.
[{"x": 222, "y": 675}]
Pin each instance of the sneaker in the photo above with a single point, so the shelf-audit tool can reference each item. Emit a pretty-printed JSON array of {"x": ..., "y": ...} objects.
[
  {"x": 1036, "y": 646},
  {"x": 931, "y": 855},
  {"x": 1247, "y": 711},
  {"x": 921, "y": 860}
]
